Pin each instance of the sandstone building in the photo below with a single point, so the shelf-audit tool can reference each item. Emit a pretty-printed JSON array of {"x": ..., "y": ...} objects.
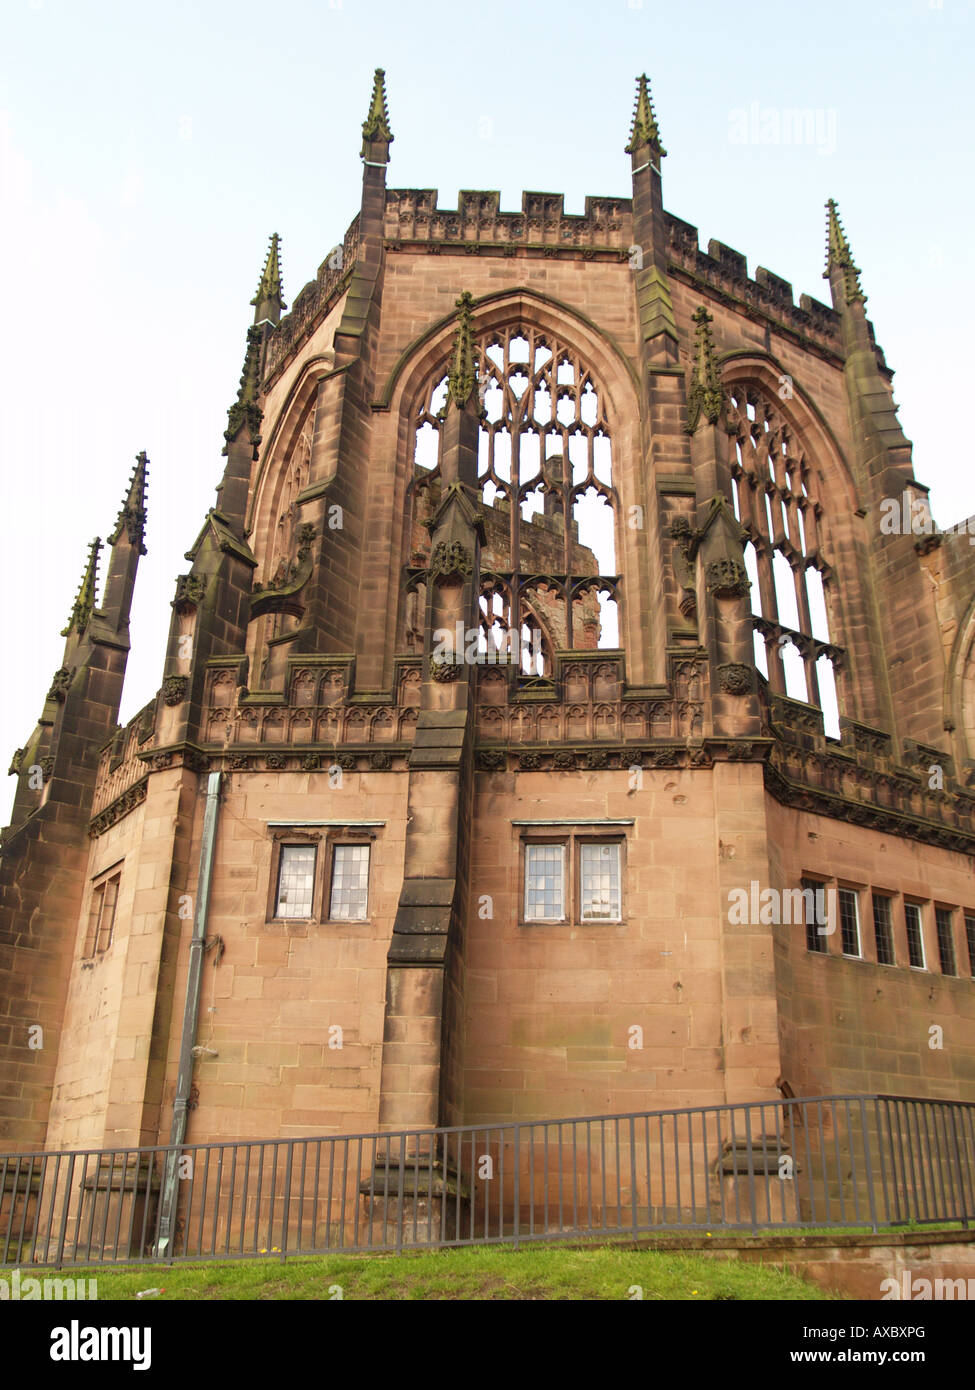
[{"x": 556, "y": 626}]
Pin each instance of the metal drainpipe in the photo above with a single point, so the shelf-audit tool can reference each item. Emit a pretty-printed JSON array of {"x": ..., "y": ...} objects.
[{"x": 191, "y": 1012}]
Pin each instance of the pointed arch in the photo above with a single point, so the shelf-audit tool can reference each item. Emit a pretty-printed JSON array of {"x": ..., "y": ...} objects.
[
  {"x": 796, "y": 494},
  {"x": 610, "y": 375}
]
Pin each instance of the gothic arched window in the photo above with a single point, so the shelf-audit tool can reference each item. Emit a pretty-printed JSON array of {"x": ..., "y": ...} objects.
[
  {"x": 776, "y": 497},
  {"x": 548, "y": 565}
]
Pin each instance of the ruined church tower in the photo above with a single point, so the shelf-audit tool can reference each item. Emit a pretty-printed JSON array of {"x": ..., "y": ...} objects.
[{"x": 550, "y": 640}]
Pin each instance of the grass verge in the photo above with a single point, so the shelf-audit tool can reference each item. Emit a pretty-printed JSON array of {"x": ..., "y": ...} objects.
[{"x": 479, "y": 1273}]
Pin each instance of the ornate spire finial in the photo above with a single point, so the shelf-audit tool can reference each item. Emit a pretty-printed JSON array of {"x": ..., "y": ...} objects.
[
  {"x": 84, "y": 604},
  {"x": 269, "y": 300},
  {"x": 132, "y": 516},
  {"x": 644, "y": 130},
  {"x": 838, "y": 253},
  {"x": 245, "y": 409},
  {"x": 376, "y": 124},
  {"x": 707, "y": 394},
  {"x": 463, "y": 374}
]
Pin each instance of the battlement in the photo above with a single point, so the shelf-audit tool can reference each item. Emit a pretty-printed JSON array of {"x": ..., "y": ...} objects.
[
  {"x": 413, "y": 214},
  {"x": 726, "y": 271},
  {"x": 413, "y": 219},
  {"x": 313, "y": 302}
]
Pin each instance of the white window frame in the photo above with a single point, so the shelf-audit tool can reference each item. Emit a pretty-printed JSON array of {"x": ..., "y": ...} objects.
[
  {"x": 286, "y": 845},
  {"x": 616, "y": 846},
  {"x": 530, "y": 846},
  {"x": 340, "y": 845}
]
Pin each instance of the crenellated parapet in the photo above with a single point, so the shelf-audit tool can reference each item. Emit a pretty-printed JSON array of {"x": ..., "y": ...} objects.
[
  {"x": 413, "y": 215},
  {"x": 312, "y": 304}
]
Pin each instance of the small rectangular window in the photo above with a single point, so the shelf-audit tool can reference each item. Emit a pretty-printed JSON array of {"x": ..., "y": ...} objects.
[
  {"x": 600, "y": 882},
  {"x": 915, "y": 935},
  {"x": 883, "y": 932},
  {"x": 814, "y": 899},
  {"x": 350, "y": 883},
  {"x": 296, "y": 881},
  {"x": 946, "y": 940},
  {"x": 101, "y": 916},
  {"x": 970, "y": 938},
  {"x": 544, "y": 883},
  {"x": 849, "y": 922}
]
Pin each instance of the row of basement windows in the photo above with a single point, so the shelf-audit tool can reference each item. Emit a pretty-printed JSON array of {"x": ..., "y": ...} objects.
[{"x": 881, "y": 913}]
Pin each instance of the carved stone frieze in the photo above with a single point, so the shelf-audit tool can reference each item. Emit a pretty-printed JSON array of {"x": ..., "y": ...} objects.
[{"x": 120, "y": 807}]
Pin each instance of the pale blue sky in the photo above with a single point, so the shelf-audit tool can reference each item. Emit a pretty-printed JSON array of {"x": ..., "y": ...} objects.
[{"x": 147, "y": 151}]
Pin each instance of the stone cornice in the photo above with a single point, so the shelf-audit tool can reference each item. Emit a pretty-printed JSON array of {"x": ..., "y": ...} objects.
[{"x": 131, "y": 798}]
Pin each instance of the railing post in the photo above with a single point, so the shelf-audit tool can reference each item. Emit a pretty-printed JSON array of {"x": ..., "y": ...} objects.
[
  {"x": 866, "y": 1153},
  {"x": 958, "y": 1169},
  {"x": 64, "y": 1212},
  {"x": 517, "y": 1197},
  {"x": 633, "y": 1193},
  {"x": 286, "y": 1215}
]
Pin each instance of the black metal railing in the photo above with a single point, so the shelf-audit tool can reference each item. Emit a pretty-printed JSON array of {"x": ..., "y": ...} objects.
[{"x": 874, "y": 1161}]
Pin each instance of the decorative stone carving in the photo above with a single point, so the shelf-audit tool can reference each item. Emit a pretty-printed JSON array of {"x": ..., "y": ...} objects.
[
  {"x": 348, "y": 762},
  {"x": 706, "y": 396},
  {"x": 727, "y": 578},
  {"x": 190, "y": 589},
  {"x": 462, "y": 377},
  {"x": 47, "y": 768},
  {"x": 290, "y": 576},
  {"x": 683, "y": 537},
  {"x": 59, "y": 685},
  {"x": 120, "y": 807},
  {"x": 275, "y": 761},
  {"x": 529, "y": 762},
  {"x": 491, "y": 760},
  {"x": 174, "y": 689},
  {"x": 451, "y": 559},
  {"x": 443, "y": 670},
  {"x": 687, "y": 603},
  {"x": 380, "y": 762},
  {"x": 15, "y": 763},
  {"x": 238, "y": 762},
  {"x": 565, "y": 762},
  {"x": 735, "y": 678},
  {"x": 310, "y": 762}
]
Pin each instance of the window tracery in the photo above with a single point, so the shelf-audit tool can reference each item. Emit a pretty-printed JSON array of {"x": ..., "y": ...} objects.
[
  {"x": 548, "y": 565},
  {"x": 777, "y": 500}
]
